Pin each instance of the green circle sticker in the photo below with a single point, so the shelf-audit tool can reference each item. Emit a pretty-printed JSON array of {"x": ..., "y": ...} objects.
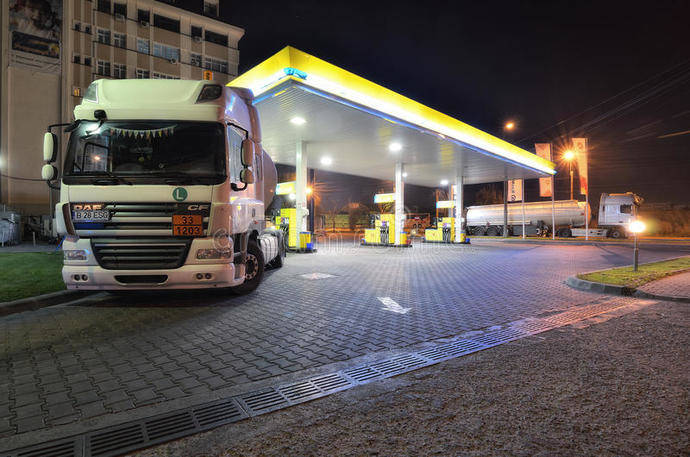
[{"x": 180, "y": 194}]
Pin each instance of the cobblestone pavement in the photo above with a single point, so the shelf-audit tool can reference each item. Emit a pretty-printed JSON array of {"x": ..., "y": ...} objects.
[
  {"x": 70, "y": 363},
  {"x": 673, "y": 286}
]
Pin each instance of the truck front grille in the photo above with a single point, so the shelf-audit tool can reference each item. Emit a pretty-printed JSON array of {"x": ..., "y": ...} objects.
[
  {"x": 140, "y": 253},
  {"x": 137, "y": 219}
]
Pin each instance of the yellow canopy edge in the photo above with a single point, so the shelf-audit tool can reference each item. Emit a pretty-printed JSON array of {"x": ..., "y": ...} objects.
[{"x": 292, "y": 64}]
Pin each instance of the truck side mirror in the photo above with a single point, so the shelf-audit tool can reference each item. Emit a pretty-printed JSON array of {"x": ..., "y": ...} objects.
[
  {"x": 48, "y": 172},
  {"x": 248, "y": 150},
  {"x": 49, "y": 147},
  {"x": 247, "y": 176}
]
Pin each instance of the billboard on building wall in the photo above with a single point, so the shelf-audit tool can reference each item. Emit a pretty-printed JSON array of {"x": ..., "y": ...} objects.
[{"x": 34, "y": 27}]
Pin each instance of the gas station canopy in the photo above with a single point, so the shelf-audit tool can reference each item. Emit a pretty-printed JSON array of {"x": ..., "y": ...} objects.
[{"x": 348, "y": 124}]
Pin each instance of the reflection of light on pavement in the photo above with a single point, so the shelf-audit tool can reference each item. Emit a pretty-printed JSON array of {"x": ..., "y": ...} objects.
[{"x": 392, "y": 305}]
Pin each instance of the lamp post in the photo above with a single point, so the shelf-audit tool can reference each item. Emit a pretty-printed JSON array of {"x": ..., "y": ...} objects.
[
  {"x": 636, "y": 227},
  {"x": 568, "y": 156}
]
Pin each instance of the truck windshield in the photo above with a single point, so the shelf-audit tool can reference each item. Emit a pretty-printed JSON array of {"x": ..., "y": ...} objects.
[{"x": 147, "y": 152}]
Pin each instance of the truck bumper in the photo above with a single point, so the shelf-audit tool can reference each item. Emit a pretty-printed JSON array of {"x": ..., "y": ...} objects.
[{"x": 93, "y": 277}]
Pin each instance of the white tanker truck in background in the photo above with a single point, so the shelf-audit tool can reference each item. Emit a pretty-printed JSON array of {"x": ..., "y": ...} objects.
[{"x": 616, "y": 211}]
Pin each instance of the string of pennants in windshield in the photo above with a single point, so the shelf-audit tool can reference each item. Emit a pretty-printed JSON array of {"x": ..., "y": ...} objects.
[{"x": 153, "y": 133}]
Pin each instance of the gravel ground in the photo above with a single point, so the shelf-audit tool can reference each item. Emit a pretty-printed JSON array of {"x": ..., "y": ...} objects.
[{"x": 612, "y": 388}]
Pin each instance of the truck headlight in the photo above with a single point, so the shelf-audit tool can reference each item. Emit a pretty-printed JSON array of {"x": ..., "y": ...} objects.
[
  {"x": 209, "y": 254},
  {"x": 75, "y": 254}
]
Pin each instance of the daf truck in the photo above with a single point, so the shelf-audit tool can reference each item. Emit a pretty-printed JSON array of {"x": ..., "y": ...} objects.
[{"x": 164, "y": 185}]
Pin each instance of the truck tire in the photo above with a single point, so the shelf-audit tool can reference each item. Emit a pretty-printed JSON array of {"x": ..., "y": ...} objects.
[
  {"x": 616, "y": 233},
  {"x": 492, "y": 231},
  {"x": 254, "y": 270},
  {"x": 565, "y": 233},
  {"x": 478, "y": 231}
]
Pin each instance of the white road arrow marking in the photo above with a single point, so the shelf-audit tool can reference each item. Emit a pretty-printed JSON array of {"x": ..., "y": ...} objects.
[{"x": 392, "y": 305}]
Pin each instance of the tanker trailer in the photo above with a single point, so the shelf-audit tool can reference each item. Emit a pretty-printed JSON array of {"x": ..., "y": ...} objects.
[{"x": 488, "y": 219}]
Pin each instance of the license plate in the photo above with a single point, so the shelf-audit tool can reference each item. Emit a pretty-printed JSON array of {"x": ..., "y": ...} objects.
[
  {"x": 188, "y": 225},
  {"x": 96, "y": 215}
]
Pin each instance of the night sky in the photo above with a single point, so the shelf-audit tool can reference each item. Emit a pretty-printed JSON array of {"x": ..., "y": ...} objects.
[{"x": 614, "y": 72}]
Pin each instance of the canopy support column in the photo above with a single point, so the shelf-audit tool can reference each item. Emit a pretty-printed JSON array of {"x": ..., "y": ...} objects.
[
  {"x": 459, "y": 210},
  {"x": 505, "y": 208},
  {"x": 301, "y": 186},
  {"x": 399, "y": 203}
]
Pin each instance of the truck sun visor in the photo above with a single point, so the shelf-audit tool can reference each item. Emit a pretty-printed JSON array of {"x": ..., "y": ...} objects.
[{"x": 209, "y": 92}]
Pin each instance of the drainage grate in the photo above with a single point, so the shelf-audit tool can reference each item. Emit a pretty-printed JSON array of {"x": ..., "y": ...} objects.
[
  {"x": 361, "y": 374},
  {"x": 219, "y": 413},
  {"x": 115, "y": 440},
  {"x": 460, "y": 347},
  {"x": 331, "y": 383},
  {"x": 300, "y": 392},
  {"x": 144, "y": 433},
  {"x": 170, "y": 426},
  {"x": 263, "y": 402},
  {"x": 64, "y": 448}
]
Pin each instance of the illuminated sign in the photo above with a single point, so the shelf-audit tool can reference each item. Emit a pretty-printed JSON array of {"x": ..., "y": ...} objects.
[
  {"x": 285, "y": 188},
  {"x": 384, "y": 198},
  {"x": 445, "y": 204}
]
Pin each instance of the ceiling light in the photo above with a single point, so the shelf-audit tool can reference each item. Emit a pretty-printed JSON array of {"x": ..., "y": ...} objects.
[
  {"x": 444, "y": 182},
  {"x": 325, "y": 160},
  {"x": 395, "y": 147},
  {"x": 298, "y": 120},
  {"x": 404, "y": 174}
]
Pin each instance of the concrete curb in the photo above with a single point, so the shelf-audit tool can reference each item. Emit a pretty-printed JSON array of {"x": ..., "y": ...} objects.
[
  {"x": 39, "y": 301},
  {"x": 612, "y": 289},
  {"x": 599, "y": 287}
]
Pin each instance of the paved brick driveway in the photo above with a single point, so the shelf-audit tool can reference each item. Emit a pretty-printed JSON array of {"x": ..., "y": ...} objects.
[{"x": 67, "y": 364}]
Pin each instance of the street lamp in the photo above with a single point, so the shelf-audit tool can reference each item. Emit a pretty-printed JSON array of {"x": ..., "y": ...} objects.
[
  {"x": 509, "y": 126},
  {"x": 568, "y": 156},
  {"x": 636, "y": 227}
]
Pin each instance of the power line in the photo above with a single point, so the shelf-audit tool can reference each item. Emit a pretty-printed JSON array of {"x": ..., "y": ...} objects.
[{"x": 668, "y": 70}]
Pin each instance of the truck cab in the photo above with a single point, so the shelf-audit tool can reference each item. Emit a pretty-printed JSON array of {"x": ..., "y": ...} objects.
[
  {"x": 164, "y": 185},
  {"x": 617, "y": 211}
]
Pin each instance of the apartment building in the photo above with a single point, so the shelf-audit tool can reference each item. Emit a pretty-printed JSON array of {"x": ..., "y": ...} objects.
[{"x": 53, "y": 49}]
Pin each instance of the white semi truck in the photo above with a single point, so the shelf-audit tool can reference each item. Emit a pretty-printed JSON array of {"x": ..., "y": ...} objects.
[
  {"x": 616, "y": 211},
  {"x": 164, "y": 185}
]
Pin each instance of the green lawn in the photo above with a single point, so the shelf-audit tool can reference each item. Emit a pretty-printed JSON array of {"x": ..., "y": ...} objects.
[
  {"x": 25, "y": 274},
  {"x": 625, "y": 276}
]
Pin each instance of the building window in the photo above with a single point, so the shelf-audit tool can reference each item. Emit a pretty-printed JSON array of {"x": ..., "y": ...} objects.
[
  {"x": 144, "y": 16},
  {"x": 103, "y": 6},
  {"x": 120, "y": 40},
  {"x": 211, "y": 9},
  {"x": 103, "y": 68},
  {"x": 120, "y": 8},
  {"x": 77, "y": 26},
  {"x": 212, "y": 64},
  {"x": 166, "y": 23},
  {"x": 119, "y": 71},
  {"x": 195, "y": 60},
  {"x": 76, "y": 58},
  {"x": 166, "y": 52},
  {"x": 142, "y": 74},
  {"x": 76, "y": 91},
  {"x": 87, "y": 28},
  {"x": 217, "y": 38},
  {"x": 87, "y": 61},
  {"x": 143, "y": 46},
  {"x": 103, "y": 36},
  {"x": 196, "y": 31}
]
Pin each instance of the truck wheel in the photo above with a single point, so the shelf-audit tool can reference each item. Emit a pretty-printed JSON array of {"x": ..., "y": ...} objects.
[
  {"x": 616, "y": 234},
  {"x": 478, "y": 231},
  {"x": 565, "y": 233},
  {"x": 254, "y": 270},
  {"x": 492, "y": 231}
]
